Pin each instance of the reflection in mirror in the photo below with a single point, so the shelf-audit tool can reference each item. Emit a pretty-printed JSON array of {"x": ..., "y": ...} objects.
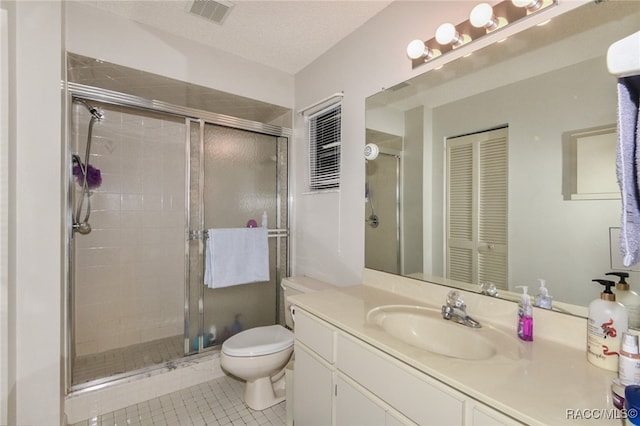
[
  {"x": 548, "y": 88},
  {"x": 382, "y": 197}
]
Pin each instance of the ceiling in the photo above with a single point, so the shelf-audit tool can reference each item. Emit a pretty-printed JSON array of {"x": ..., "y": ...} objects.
[{"x": 286, "y": 35}]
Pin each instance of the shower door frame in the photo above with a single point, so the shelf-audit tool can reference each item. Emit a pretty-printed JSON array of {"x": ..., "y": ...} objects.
[{"x": 190, "y": 115}]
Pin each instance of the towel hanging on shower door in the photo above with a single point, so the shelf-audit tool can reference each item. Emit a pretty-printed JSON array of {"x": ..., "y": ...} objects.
[{"x": 235, "y": 256}]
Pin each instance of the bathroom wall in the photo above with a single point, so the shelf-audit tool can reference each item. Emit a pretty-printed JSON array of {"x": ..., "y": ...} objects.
[
  {"x": 129, "y": 282},
  {"x": 4, "y": 207},
  {"x": 35, "y": 240}
]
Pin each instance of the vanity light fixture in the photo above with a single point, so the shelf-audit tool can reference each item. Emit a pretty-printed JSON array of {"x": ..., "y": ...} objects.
[
  {"x": 482, "y": 16},
  {"x": 483, "y": 19},
  {"x": 448, "y": 34},
  {"x": 417, "y": 49}
]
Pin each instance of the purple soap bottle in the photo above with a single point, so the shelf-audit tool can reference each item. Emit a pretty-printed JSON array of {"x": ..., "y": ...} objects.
[{"x": 525, "y": 316}]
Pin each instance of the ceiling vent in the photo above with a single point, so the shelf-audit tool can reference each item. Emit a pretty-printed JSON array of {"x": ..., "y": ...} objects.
[{"x": 216, "y": 11}]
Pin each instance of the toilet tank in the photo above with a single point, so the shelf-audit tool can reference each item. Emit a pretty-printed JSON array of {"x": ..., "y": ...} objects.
[{"x": 298, "y": 285}]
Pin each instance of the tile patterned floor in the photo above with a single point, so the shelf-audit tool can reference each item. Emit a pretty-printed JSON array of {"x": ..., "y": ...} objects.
[
  {"x": 218, "y": 402},
  {"x": 131, "y": 358}
]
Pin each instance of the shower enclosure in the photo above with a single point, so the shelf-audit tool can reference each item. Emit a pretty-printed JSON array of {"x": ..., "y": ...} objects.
[{"x": 136, "y": 234}]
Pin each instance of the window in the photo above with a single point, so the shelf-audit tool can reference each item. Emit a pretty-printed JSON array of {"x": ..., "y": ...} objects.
[{"x": 324, "y": 148}]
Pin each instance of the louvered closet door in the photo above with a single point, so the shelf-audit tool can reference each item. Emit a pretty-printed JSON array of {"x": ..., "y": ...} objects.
[{"x": 477, "y": 200}]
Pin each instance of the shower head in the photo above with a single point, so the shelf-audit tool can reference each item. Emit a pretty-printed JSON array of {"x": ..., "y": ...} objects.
[
  {"x": 82, "y": 227},
  {"x": 92, "y": 110}
]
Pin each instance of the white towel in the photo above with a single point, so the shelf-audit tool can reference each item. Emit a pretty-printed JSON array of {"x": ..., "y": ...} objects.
[
  {"x": 236, "y": 256},
  {"x": 628, "y": 167}
]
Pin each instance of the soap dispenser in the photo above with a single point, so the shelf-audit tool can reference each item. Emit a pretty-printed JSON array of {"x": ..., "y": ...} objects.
[
  {"x": 543, "y": 299},
  {"x": 525, "y": 315},
  {"x": 629, "y": 298},
  {"x": 607, "y": 320}
]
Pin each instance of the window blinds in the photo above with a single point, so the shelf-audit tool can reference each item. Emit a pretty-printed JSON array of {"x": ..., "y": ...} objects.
[{"x": 325, "y": 128}]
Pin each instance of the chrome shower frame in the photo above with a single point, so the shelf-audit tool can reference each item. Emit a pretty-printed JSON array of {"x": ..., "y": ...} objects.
[{"x": 85, "y": 94}]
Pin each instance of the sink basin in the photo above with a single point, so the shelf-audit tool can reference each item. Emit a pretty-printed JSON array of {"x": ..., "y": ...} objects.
[{"x": 425, "y": 328}]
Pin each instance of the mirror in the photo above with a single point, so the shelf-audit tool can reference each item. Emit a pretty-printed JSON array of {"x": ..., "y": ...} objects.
[{"x": 548, "y": 87}]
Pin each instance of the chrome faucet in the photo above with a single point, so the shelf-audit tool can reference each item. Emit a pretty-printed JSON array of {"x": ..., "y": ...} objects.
[{"x": 455, "y": 309}]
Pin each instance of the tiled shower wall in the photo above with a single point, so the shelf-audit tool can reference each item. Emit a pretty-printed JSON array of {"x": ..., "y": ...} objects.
[{"x": 129, "y": 271}]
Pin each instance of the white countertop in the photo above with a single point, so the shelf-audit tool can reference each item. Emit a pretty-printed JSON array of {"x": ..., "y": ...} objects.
[{"x": 550, "y": 384}]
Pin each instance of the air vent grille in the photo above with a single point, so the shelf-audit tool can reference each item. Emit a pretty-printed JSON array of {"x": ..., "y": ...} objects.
[{"x": 216, "y": 11}]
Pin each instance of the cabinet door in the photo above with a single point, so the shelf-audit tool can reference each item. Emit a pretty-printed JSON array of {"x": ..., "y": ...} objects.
[
  {"x": 312, "y": 387},
  {"x": 396, "y": 419},
  {"x": 353, "y": 408},
  {"x": 482, "y": 415}
]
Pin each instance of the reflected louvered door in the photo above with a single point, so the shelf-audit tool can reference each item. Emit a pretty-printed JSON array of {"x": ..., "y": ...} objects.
[
  {"x": 477, "y": 179},
  {"x": 460, "y": 211}
]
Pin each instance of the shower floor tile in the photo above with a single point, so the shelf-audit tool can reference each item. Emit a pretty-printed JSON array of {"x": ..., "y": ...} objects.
[
  {"x": 218, "y": 402},
  {"x": 130, "y": 358}
]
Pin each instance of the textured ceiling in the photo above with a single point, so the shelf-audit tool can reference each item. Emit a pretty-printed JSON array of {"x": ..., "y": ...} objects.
[{"x": 286, "y": 35}]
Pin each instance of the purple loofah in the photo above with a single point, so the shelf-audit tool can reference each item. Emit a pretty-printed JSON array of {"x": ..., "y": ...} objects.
[{"x": 94, "y": 177}]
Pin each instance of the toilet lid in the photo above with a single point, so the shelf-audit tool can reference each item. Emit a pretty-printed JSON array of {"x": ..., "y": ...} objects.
[{"x": 258, "y": 341}]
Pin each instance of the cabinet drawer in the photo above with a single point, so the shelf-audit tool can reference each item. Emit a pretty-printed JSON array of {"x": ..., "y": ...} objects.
[
  {"x": 420, "y": 398},
  {"x": 317, "y": 335}
]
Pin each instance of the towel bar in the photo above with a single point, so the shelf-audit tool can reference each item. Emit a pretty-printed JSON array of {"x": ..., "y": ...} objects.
[{"x": 198, "y": 234}]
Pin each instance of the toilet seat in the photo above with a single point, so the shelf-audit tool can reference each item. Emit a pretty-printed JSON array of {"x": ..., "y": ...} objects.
[{"x": 258, "y": 341}]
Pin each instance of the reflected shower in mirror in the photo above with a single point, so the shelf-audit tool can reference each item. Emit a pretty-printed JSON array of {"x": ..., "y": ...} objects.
[
  {"x": 549, "y": 88},
  {"x": 382, "y": 198}
]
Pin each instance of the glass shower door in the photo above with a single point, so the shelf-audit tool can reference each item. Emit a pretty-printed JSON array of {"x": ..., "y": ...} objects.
[
  {"x": 127, "y": 280},
  {"x": 243, "y": 176}
]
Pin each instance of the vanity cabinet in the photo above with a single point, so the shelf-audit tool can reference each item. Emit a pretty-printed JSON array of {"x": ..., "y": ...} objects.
[{"x": 341, "y": 380}]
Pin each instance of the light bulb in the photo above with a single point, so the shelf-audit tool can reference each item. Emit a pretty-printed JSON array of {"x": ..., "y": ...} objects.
[
  {"x": 416, "y": 49},
  {"x": 482, "y": 16},
  {"x": 446, "y": 34},
  {"x": 531, "y": 5}
]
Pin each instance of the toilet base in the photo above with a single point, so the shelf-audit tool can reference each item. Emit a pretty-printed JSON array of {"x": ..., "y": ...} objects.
[{"x": 264, "y": 392}]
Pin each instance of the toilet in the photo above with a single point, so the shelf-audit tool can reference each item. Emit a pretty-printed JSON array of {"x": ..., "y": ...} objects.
[{"x": 259, "y": 355}]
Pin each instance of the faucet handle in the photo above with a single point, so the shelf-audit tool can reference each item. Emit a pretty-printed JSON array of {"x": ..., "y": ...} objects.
[
  {"x": 454, "y": 299},
  {"x": 489, "y": 289}
]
